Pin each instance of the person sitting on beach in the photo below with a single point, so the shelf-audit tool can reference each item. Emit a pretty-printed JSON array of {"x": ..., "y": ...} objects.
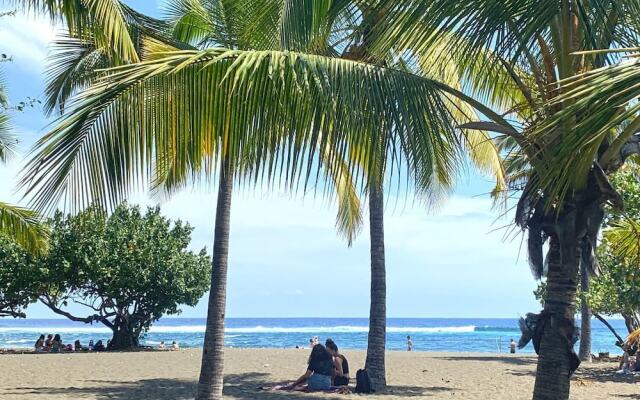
[
  {"x": 625, "y": 366},
  {"x": 341, "y": 376},
  {"x": 47, "y": 343},
  {"x": 100, "y": 346},
  {"x": 320, "y": 370},
  {"x": 56, "y": 344},
  {"x": 39, "y": 346},
  {"x": 174, "y": 346},
  {"x": 161, "y": 345}
]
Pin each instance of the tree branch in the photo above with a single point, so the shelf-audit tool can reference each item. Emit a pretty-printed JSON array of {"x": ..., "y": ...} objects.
[
  {"x": 608, "y": 325},
  {"x": 46, "y": 300}
]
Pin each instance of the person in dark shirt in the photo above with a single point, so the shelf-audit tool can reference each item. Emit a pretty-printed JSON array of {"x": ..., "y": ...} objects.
[
  {"x": 341, "y": 375},
  {"x": 320, "y": 370}
]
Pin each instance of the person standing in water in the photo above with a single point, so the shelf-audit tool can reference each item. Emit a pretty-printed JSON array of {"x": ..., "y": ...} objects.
[
  {"x": 512, "y": 347},
  {"x": 409, "y": 343}
]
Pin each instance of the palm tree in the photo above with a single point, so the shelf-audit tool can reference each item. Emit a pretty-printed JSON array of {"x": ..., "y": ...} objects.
[{"x": 536, "y": 43}]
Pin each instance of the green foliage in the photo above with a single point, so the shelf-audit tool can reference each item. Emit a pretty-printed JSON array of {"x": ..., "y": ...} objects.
[
  {"x": 128, "y": 269},
  {"x": 617, "y": 289},
  {"x": 19, "y": 278}
]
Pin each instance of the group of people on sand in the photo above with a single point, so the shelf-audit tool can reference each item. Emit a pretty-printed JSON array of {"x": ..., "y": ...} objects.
[
  {"x": 54, "y": 344},
  {"x": 327, "y": 368},
  {"x": 174, "y": 346}
]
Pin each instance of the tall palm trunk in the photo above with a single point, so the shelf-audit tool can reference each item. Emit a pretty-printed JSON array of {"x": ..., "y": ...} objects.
[
  {"x": 375, "y": 364},
  {"x": 554, "y": 358},
  {"x": 585, "y": 323},
  {"x": 210, "y": 383}
]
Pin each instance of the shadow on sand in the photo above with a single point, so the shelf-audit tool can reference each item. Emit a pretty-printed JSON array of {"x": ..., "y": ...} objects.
[
  {"x": 238, "y": 386},
  {"x": 511, "y": 360},
  {"x": 606, "y": 375}
]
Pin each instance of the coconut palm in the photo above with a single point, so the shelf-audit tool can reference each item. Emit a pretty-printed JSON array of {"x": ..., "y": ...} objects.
[
  {"x": 178, "y": 115},
  {"x": 536, "y": 42}
]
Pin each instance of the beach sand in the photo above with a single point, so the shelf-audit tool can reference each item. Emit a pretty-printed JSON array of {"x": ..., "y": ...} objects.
[{"x": 173, "y": 375}]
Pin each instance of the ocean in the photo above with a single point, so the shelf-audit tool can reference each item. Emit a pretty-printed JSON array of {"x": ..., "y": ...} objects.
[{"x": 428, "y": 334}]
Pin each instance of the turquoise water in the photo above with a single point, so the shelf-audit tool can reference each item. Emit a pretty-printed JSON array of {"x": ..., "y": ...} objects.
[{"x": 428, "y": 334}]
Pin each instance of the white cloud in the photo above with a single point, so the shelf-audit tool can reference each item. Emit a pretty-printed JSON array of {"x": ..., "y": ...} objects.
[{"x": 25, "y": 38}]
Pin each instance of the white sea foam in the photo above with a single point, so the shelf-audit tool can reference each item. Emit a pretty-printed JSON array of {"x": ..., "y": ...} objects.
[{"x": 248, "y": 330}]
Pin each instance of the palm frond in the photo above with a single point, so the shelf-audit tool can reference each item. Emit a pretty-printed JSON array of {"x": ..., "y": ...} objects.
[
  {"x": 24, "y": 226},
  {"x": 105, "y": 20},
  {"x": 72, "y": 65},
  {"x": 624, "y": 239},
  {"x": 268, "y": 112},
  {"x": 7, "y": 139}
]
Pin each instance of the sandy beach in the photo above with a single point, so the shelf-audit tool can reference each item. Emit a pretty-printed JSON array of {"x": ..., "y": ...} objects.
[{"x": 173, "y": 375}]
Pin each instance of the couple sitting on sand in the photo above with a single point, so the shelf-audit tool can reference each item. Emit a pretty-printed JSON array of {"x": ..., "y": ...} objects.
[{"x": 326, "y": 369}]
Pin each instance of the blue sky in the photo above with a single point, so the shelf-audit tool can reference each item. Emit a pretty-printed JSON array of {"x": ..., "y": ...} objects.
[{"x": 286, "y": 259}]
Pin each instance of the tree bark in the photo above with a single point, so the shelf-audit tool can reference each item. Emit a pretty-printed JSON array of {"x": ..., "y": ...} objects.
[
  {"x": 123, "y": 338},
  {"x": 375, "y": 362},
  {"x": 632, "y": 321},
  {"x": 585, "y": 317},
  {"x": 210, "y": 384},
  {"x": 554, "y": 358}
]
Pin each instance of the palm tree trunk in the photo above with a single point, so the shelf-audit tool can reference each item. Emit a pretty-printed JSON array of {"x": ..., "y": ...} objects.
[
  {"x": 375, "y": 364},
  {"x": 554, "y": 358},
  {"x": 585, "y": 323},
  {"x": 210, "y": 384}
]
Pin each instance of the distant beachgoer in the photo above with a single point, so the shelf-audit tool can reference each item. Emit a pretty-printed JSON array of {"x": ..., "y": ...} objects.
[
  {"x": 174, "y": 346},
  {"x": 161, "y": 345},
  {"x": 47, "y": 343},
  {"x": 56, "y": 344},
  {"x": 91, "y": 346},
  {"x": 409, "y": 343},
  {"x": 624, "y": 366},
  {"x": 68, "y": 347},
  {"x": 99, "y": 346},
  {"x": 76, "y": 345},
  {"x": 320, "y": 370},
  {"x": 39, "y": 346},
  {"x": 341, "y": 376},
  {"x": 512, "y": 346}
]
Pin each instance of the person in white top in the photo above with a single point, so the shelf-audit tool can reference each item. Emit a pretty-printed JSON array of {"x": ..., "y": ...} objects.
[
  {"x": 174, "y": 346},
  {"x": 512, "y": 347}
]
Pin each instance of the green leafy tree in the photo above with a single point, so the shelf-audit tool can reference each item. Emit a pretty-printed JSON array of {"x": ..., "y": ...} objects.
[
  {"x": 127, "y": 269},
  {"x": 617, "y": 289},
  {"x": 20, "y": 278}
]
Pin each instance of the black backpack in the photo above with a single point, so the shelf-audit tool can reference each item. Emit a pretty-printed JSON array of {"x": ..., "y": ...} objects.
[{"x": 363, "y": 382}]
